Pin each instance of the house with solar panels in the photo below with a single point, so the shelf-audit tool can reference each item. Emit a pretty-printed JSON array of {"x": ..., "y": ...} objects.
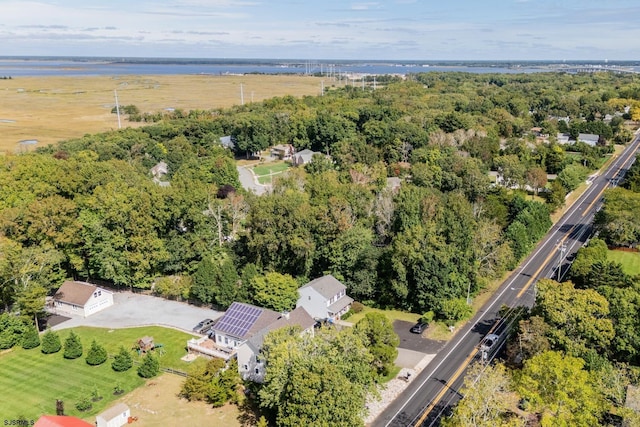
[
  {"x": 250, "y": 364},
  {"x": 324, "y": 298},
  {"x": 240, "y": 323}
]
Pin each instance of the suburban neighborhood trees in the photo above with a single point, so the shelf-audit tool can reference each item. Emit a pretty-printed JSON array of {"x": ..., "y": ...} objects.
[
  {"x": 122, "y": 361},
  {"x": 72, "y": 346},
  {"x": 96, "y": 355},
  {"x": 50, "y": 342},
  {"x": 150, "y": 366}
]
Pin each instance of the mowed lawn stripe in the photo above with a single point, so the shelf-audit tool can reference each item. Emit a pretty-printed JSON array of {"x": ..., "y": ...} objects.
[{"x": 31, "y": 381}]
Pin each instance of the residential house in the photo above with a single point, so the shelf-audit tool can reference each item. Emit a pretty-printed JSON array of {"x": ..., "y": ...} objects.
[
  {"x": 250, "y": 365},
  {"x": 116, "y": 416},
  {"x": 563, "y": 138},
  {"x": 324, "y": 298},
  {"x": 240, "y": 333},
  {"x": 303, "y": 157},
  {"x": 283, "y": 151},
  {"x": 81, "y": 298},
  {"x": 589, "y": 139},
  {"x": 59, "y": 421},
  {"x": 239, "y": 323},
  {"x": 227, "y": 142}
]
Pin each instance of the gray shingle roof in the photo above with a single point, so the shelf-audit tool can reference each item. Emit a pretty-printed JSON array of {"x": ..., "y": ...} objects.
[
  {"x": 327, "y": 286},
  {"x": 298, "y": 317}
]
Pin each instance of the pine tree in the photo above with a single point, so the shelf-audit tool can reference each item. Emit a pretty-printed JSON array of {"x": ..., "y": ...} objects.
[
  {"x": 96, "y": 355},
  {"x": 150, "y": 367},
  {"x": 30, "y": 338},
  {"x": 123, "y": 360},
  {"x": 72, "y": 346},
  {"x": 50, "y": 342}
]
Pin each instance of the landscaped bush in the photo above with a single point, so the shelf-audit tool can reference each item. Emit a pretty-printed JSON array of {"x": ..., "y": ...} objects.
[
  {"x": 30, "y": 338},
  {"x": 123, "y": 360},
  {"x": 83, "y": 404},
  {"x": 96, "y": 355},
  {"x": 428, "y": 317},
  {"x": 72, "y": 346},
  {"x": 11, "y": 330},
  {"x": 50, "y": 342},
  {"x": 357, "y": 307},
  {"x": 150, "y": 367}
]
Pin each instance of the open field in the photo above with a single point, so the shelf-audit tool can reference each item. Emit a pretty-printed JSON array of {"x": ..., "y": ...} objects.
[
  {"x": 32, "y": 381},
  {"x": 50, "y": 109},
  {"x": 157, "y": 404},
  {"x": 630, "y": 261},
  {"x": 390, "y": 314}
]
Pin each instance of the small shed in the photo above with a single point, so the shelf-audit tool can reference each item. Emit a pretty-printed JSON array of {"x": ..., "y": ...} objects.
[
  {"x": 116, "y": 416},
  {"x": 145, "y": 344}
]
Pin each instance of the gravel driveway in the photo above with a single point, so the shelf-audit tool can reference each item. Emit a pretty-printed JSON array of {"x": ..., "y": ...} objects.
[
  {"x": 131, "y": 310},
  {"x": 248, "y": 181}
]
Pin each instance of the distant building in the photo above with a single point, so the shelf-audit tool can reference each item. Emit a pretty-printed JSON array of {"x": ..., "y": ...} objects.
[
  {"x": 589, "y": 139},
  {"x": 81, "y": 298},
  {"x": 563, "y": 138},
  {"x": 303, "y": 157},
  {"x": 227, "y": 142},
  {"x": 283, "y": 151}
]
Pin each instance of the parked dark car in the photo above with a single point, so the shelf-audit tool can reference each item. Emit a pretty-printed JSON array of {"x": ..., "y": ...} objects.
[
  {"x": 419, "y": 327},
  {"x": 204, "y": 326}
]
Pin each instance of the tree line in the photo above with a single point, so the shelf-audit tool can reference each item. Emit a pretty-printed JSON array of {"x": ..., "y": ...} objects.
[{"x": 87, "y": 208}]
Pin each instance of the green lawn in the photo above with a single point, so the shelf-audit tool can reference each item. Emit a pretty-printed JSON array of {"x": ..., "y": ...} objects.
[
  {"x": 31, "y": 381},
  {"x": 267, "y": 168},
  {"x": 630, "y": 261},
  {"x": 391, "y": 315}
]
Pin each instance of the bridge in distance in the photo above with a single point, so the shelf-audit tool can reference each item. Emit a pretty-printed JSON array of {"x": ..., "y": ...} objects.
[{"x": 437, "y": 388}]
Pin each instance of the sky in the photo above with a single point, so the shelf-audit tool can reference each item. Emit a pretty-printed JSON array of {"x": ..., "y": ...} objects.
[{"x": 420, "y": 30}]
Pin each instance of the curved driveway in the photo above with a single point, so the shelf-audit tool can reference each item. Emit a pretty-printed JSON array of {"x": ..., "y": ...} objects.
[{"x": 249, "y": 183}]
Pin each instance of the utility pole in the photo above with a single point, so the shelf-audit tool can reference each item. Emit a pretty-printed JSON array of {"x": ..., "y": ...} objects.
[{"x": 115, "y": 92}]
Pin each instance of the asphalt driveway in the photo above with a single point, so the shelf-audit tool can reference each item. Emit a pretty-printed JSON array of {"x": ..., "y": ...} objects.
[
  {"x": 131, "y": 310},
  {"x": 415, "y": 342}
]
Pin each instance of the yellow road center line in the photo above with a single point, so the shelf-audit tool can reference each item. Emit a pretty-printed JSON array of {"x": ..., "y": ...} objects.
[{"x": 446, "y": 387}]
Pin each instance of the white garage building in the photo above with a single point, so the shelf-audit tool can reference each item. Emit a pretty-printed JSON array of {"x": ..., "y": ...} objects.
[{"x": 81, "y": 298}]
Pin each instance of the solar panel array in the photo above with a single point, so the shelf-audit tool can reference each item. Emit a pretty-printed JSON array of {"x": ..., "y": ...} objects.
[{"x": 238, "y": 319}]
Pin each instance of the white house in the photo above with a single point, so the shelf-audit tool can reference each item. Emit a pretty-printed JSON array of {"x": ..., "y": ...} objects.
[
  {"x": 589, "y": 139},
  {"x": 116, "y": 416},
  {"x": 250, "y": 365},
  {"x": 81, "y": 298},
  {"x": 324, "y": 298}
]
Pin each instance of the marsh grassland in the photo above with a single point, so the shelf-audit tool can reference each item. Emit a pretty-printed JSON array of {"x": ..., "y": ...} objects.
[{"x": 50, "y": 109}]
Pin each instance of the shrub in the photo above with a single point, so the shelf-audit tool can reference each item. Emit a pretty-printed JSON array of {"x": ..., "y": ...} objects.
[
  {"x": 357, "y": 307},
  {"x": 123, "y": 360},
  {"x": 454, "y": 310},
  {"x": 84, "y": 404},
  {"x": 50, "y": 342},
  {"x": 150, "y": 367},
  {"x": 30, "y": 338},
  {"x": 118, "y": 390},
  {"x": 72, "y": 346},
  {"x": 428, "y": 317},
  {"x": 11, "y": 330},
  {"x": 96, "y": 355}
]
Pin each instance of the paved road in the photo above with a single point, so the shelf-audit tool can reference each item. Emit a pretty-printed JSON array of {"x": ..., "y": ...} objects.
[
  {"x": 132, "y": 310},
  {"x": 248, "y": 181},
  {"x": 435, "y": 391}
]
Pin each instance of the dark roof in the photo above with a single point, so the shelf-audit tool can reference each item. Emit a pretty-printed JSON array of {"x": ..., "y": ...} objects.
[
  {"x": 244, "y": 320},
  {"x": 298, "y": 317},
  {"x": 327, "y": 286},
  {"x": 77, "y": 293}
]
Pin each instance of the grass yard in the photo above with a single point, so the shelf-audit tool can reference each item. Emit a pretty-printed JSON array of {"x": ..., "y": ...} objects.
[
  {"x": 267, "y": 168},
  {"x": 31, "y": 381},
  {"x": 630, "y": 261},
  {"x": 391, "y": 315},
  {"x": 50, "y": 109}
]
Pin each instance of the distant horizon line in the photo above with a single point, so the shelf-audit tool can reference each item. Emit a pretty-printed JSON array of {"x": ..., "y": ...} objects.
[{"x": 149, "y": 59}]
